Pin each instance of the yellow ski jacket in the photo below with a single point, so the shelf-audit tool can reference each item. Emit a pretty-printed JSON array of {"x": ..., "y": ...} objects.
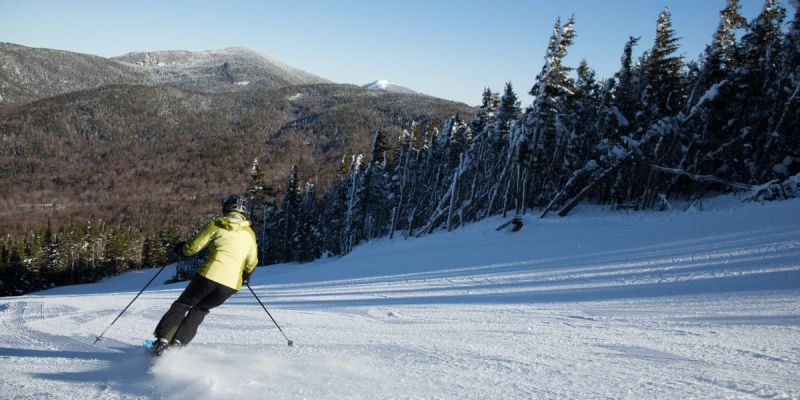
[{"x": 232, "y": 249}]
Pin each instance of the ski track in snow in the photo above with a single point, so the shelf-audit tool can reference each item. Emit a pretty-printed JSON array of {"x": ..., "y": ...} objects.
[{"x": 673, "y": 305}]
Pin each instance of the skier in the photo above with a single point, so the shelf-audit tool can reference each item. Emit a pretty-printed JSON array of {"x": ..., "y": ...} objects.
[{"x": 232, "y": 259}]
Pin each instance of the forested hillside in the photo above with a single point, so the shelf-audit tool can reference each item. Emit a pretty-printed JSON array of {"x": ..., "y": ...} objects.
[
  {"x": 661, "y": 128},
  {"x": 132, "y": 153}
]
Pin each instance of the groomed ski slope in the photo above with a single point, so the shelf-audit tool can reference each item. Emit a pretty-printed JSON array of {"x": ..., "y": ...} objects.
[{"x": 671, "y": 305}]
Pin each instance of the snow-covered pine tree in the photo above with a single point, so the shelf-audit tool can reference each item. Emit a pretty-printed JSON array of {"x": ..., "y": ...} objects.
[
  {"x": 308, "y": 236},
  {"x": 366, "y": 210},
  {"x": 665, "y": 90},
  {"x": 579, "y": 160},
  {"x": 374, "y": 190},
  {"x": 508, "y": 111},
  {"x": 256, "y": 193},
  {"x": 486, "y": 158},
  {"x": 437, "y": 176},
  {"x": 786, "y": 118},
  {"x": 155, "y": 248},
  {"x": 706, "y": 127},
  {"x": 541, "y": 143},
  {"x": 401, "y": 177},
  {"x": 616, "y": 119},
  {"x": 332, "y": 210},
  {"x": 760, "y": 50},
  {"x": 778, "y": 158},
  {"x": 586, "y": 104},
  {"x": 51, "y": 259},
  {"x": 486, "y": 112},
  {"x": 285, "y": 241},
  {"x": 722, "y": 54},
  {"x": 626, "y": 93},
  {"x": 353, "y": 216},
  {"x": 663, "y": 96},
  {"x": 271, "y": 248}
]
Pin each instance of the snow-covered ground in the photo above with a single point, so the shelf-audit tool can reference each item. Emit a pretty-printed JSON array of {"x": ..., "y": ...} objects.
[{"x": 678, "y": 305}]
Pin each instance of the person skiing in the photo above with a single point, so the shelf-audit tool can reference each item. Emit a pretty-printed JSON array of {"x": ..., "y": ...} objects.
[{"x": 232, "y": 259}]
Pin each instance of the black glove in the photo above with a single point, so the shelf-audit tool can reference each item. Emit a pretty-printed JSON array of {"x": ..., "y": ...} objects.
[
  {"x": 178, "y": 249},
  {"x": 246, "y": 276}
]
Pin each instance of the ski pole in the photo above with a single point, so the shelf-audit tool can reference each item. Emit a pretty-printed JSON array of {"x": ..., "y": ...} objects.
[
  {"x": 270, "y": 315},
  {"x": 100, "y": 336}
]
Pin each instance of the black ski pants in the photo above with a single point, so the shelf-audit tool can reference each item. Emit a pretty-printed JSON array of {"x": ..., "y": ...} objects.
[{"x": 180, "y": 322}]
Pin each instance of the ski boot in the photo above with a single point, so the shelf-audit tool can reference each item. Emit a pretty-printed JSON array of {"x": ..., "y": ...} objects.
[{"x": 159, "y": 346}]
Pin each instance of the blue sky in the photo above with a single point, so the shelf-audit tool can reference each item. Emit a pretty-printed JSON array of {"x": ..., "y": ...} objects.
[{"x": 447, "y": 48}]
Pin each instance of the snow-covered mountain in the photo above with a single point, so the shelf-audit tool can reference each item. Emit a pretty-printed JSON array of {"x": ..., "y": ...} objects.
[
  {"x": 217, "y": 70},
  {"x": 28, "y": 74},
  {"x": 383, "y": 84},
  {"x": 147, "y": 111},
  {"x": 670, "y": 305}
]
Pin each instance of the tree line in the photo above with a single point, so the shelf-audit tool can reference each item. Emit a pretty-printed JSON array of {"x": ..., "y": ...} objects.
[
  {"x": 82, "y": 253},
  {"x": 661, "y": 128}
]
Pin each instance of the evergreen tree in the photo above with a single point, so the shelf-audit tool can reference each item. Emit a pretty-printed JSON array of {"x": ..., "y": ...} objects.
[
  {"x": 664, "y": 68},
  {"x": 786, "y": 118},
  {"x": 554, "y": 81},
  {"x": 16, "y": 278},
  {"x": 334, "y": 205},
  {"x": 724, "y": 48},
  {"x": 486, "y": 112},
  {"x": 51, "y": 260},
  {"x": 508, "y": 111},
  {"x": 626, "y": 94},
  {"x": 586, "y": 104},
  {"x": 309, "y": 234},
  {"x": 353, "y": 209},
  {"x": 271, "y": 246},
  {"x": 707, "y": 129},
  {"x": 380, "y": 148},
  {"x": 257, "y": 191},
  {"x": 400, "y": 182},
  {"x": 286, "y": 241},
  {"x": 541, "y": 145},
  {"x": 372, "y": 192},
  {"x": 757, "y": 82}
]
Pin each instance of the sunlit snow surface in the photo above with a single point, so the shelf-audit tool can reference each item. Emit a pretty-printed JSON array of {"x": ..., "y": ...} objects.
[{"x": 679, "y": 304}]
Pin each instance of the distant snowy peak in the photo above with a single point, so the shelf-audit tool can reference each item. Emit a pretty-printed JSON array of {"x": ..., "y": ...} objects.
[
  {"x": 207, "y": 70},
  {"x": 383, "y": 84},
  {"x": 185, "y": 58}
]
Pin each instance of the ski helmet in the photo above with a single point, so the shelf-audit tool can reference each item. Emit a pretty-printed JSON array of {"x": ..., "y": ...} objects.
[{"x": 235, "y": 202}]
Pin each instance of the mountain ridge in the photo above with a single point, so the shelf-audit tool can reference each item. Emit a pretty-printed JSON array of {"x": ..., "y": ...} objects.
[{"x": 28, "y": 74}]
